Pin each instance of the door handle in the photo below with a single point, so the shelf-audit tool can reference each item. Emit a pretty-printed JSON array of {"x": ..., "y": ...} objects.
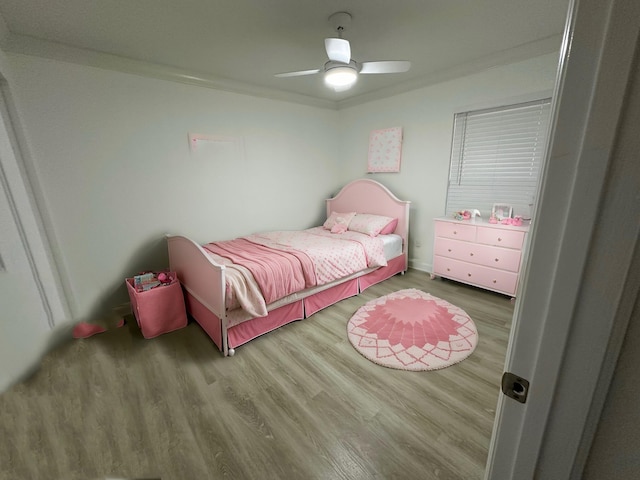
[{"x": 515, "y": 387}]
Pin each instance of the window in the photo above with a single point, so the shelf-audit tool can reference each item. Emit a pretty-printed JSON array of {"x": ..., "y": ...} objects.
[{"x": 496, "y": 157}]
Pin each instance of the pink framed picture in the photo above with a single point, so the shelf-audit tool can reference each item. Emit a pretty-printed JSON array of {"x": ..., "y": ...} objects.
[{"x": 385, "y": 150}]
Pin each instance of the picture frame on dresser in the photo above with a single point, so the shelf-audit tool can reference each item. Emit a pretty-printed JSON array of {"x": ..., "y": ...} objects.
[{"x": 501, "y": 211}]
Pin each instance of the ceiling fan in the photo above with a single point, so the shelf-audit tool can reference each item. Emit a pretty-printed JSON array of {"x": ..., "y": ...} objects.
[{"x": 341, "y": 71}]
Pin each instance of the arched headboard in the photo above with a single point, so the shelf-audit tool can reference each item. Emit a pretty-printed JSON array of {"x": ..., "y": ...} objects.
[{"x": 369, "y": 196}]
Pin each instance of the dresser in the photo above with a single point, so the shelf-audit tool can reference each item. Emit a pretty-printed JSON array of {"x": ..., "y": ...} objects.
[{"x": 479, "y": 253}]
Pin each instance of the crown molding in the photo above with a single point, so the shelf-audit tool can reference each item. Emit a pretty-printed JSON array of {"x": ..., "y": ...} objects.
[
  {"x": 513, "y": 55},
  {"x": 27, "y": 45}
]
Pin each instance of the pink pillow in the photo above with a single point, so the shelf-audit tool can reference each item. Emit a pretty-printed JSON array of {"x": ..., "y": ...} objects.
[
  {"x": 341, "y": 218},
  {"x": 390, "y": 228},
  {"x": 339, "y": 228},
  {"x": 370, "y": 224}
]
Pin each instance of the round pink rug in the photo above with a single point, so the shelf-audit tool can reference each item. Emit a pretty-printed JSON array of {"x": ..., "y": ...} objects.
[{"x": 412, "y": 330}]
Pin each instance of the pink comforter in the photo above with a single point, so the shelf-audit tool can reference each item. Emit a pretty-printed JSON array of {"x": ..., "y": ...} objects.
[
  {"x": 278, "y": 273},
  {"x": 285, "y": 262},
  {"x": 334, "y": 256}
]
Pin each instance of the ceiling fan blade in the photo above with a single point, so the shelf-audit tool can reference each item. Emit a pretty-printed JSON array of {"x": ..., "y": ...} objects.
[
  {"x": 338, "y": 49},
  {"x": 298, "y": 74},
  {"x": 390, "y": 66}
]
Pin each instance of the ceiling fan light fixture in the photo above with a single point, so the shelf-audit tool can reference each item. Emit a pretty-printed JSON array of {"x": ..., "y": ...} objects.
[
  {"x": 341, "y": 72},
  {"x": 341, "y": 77}
]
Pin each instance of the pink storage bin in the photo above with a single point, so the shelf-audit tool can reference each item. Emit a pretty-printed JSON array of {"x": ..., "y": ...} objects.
[{"x": 159, "y": 310}]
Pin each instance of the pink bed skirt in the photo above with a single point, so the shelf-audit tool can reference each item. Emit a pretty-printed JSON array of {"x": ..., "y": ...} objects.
[
  {"x": 209, "y": 322},
  {"x": 246, "y": 331},
  {"x": 394, "y": 266},
  {"x": 321, "y": 300},
  {"x": 250, "y": 329}
]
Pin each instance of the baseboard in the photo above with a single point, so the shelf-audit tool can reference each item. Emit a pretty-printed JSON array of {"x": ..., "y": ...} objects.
[{"x": 422, "y": 266}]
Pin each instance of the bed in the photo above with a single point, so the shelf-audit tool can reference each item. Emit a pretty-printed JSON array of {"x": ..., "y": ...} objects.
[{"x": 211, "y": 278}]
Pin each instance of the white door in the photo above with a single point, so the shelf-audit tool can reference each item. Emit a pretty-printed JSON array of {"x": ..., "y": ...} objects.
[
  {"x": 30, "y": 300},
  {"x": 577, "y": 296},
  {"x": 23, "y": 317}
]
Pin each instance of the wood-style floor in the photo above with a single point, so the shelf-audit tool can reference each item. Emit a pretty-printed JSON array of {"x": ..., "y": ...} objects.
[{"x": 298, "y": 403}]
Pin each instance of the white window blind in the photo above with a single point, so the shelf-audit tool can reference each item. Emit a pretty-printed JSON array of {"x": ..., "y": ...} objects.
[{"x": 496, "y": 157}]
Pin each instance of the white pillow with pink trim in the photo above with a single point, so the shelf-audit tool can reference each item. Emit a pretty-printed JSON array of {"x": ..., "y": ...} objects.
[
  {"x": 370, "y": 224},
  {"x": 340, "y": 219}
]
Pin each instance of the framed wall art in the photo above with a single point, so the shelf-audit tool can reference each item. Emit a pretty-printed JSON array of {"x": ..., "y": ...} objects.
[{"x": 385, "y": 150}]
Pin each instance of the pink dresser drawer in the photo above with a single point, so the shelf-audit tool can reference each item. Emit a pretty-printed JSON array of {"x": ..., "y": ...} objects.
[
  {"x": 500, "y": 237},
  {"x": 479, "y": 275},
  {"x": 495, "y": 257},
  {"x": 456, "y": 230},
  {"x": 447, "y": 247}
]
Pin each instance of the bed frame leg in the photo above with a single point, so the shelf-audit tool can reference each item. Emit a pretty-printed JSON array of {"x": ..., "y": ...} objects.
[{"x": 226, "y": 351}]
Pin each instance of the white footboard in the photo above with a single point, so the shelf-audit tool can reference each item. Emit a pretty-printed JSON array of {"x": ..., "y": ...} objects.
[{"x": 202, "y": 277}]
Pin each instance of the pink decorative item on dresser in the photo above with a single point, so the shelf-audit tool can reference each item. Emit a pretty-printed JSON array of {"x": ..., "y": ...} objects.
[{"x": 483, "y": 254}]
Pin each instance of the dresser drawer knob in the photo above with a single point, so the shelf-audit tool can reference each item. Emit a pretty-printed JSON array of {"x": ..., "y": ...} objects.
[
  {"x": 448, "y": 269},
  {"x": 455, "y": 232},
  {"x": 448, "y": 250},
  {"x": 471, "y": 254},
  {"x": 497, "y": 259},
  {"x": 468, "y": 274},
  {"x": 495, "y": 281},
  {"x": 499, "y": 239}
]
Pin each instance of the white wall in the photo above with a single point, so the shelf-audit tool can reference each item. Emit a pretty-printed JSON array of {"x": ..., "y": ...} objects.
[
  {"x": 426, "y": 116},
  {"x": 111, "y": 155}
]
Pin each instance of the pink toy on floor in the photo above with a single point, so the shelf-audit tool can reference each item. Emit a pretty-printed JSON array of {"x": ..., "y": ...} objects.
[{"x": 84, "y": 330}]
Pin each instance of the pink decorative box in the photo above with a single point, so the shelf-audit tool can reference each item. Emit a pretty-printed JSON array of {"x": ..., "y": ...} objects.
[{"x": 159, "y": 310}]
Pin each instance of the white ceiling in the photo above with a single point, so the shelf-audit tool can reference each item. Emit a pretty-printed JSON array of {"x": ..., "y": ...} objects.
[{"x": 240, "y": 44}]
